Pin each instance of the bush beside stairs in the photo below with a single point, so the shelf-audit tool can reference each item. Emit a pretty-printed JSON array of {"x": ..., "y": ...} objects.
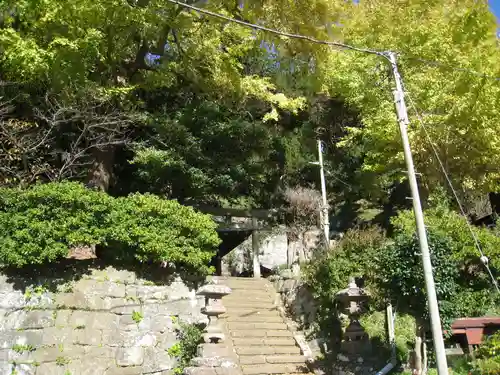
[{"x": 260, "y": 336}]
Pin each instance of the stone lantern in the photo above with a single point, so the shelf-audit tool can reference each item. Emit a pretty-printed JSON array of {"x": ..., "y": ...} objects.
[
  {"x": 213, "y": 294},
  {"x": 352, "y": 299},
  {"x": 213, "y": 356}
]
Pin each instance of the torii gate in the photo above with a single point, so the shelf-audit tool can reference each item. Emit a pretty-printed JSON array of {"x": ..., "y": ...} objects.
[{"x": 241, "y": 220}]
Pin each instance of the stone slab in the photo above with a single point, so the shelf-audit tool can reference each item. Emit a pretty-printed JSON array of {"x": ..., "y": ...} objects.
[
  {"x": 252, "y": 359},
  {"x": 62, "y": 318},
  {"x": 199, "y": 371},
  {"x": 50, "y": 369},
  {"x": 274, "y": 369},
  {"x": 157, "y": 360},
  {"x": 267, "y": 350},
  {"x": 33, "y": 338},
  {"x": 257, "y": 325},
  {"x": 56, "y": 335},
  {"x": 286, "y": 359},
  {"x": 13, "y": 320},
  {"x": 116, "y": 370},
  {"x": 38, "y": 319},
  {"x": 87, "y": 336},
  {"x": 100, "y": 352},
  {"x": 132, "y": 356},
  {"x": 213, "y": 350},
  {"x": 283, "y": 341},
  {"x": 255, "y": 319},
  {"x": 47, "y": 354}
]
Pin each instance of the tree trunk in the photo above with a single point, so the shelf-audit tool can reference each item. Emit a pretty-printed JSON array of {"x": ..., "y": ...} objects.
[
  {"x": 101, "y": 173},
  {"x": 99, "y": 177}
]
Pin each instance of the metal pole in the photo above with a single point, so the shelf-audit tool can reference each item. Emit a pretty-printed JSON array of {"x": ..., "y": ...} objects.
[
  {"x": 403, "y": 121},
  {"x": 324, "y": 209}
]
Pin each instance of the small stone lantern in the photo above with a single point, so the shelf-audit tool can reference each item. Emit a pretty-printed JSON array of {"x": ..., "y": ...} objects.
[
  {"x": 213, "y": 308},
  {"x": 353, "y": 298},
  {"x": 212, "y": 355}
]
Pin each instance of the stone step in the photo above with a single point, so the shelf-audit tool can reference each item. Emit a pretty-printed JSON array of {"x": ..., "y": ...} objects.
[
  {"x": 243, "y": 279},
  {"x": 246, "y": 282},
  {"x": 286, "y": 359},
  {"x": 250, "y": 303},
  {"x": 250, "y": 286},
  {"x": 269, "y": 368},
  {"x": 267, "y": 350},
  {"x": 244, "y": 295},
  {"x": 258, "y": 341},
  {"x": 252, "y": 289},
  {"x": 235, "y": 311},
  {"x": 255, "y": 318},
  {"x": 262, "y": 325},
  {"x": 273, "y": 359},
  {"x": 242, "y": 303},
  {"x": 260, "y": 333}
]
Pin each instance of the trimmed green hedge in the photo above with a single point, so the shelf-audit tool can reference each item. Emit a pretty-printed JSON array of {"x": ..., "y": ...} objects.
[{"x": 43, "y": 222}]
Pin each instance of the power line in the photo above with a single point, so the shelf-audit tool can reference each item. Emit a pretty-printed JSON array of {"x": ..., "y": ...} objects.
[
  {"x": 329, "y": 43},
  {"x": 484, "y": 258},
  {"x": 277, "y": 32}
]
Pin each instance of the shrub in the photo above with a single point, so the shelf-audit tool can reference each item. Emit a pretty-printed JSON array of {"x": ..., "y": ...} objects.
[
  {"x": 444, "y": 222},
  {"x": 190, "y": 336},
  {"x": 461, "y": 290},
  {"x": 43, "y": 222},
  {"x": 40, "y": 223},
  {"x": 488, "y": 357},
  {"x": 329, "y": 272},
  {"x": 153, "y": 228},
  {"x": 486, "y": 362},
  {"x": 462, "y": 286},
  {"x": 353, "y": 256},
  {"x": 374, "y": 324}
]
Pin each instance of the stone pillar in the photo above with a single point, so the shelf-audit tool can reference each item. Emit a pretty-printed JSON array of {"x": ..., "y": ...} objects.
[
  {"x": 213, "y": 357},
  {"x": 255, "y": 249}
]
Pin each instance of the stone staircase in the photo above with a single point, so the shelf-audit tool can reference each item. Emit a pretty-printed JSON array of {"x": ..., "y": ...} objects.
[{"x": 260, "y": 336}]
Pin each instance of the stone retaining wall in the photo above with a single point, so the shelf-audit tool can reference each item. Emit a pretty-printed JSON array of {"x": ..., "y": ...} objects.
[
  {"x": 296, "y": 298},
  {"x": 107, "y": 322}
]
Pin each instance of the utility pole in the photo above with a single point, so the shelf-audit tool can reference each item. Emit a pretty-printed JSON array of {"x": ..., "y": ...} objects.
[
  {"x": 437, "y": 332},
  {"x": 325, "y": 222}
]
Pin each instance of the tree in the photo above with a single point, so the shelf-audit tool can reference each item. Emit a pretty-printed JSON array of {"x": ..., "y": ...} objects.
[
  {"x": 71, "y": 69},
  {"x": 463, "y": 287},
  {"x": 459, "y": 108},
  {"x": 303, "y": 208}
]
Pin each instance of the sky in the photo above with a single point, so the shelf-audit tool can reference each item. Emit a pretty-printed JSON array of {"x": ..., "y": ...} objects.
[{"x": 495, "y": 7}]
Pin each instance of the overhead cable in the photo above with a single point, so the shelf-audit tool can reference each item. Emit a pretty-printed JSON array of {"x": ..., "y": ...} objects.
[
  {"x": 277, "y": 32},
  {"x": 326, "y": 42},
  {"x": 484, "y": 259}
]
